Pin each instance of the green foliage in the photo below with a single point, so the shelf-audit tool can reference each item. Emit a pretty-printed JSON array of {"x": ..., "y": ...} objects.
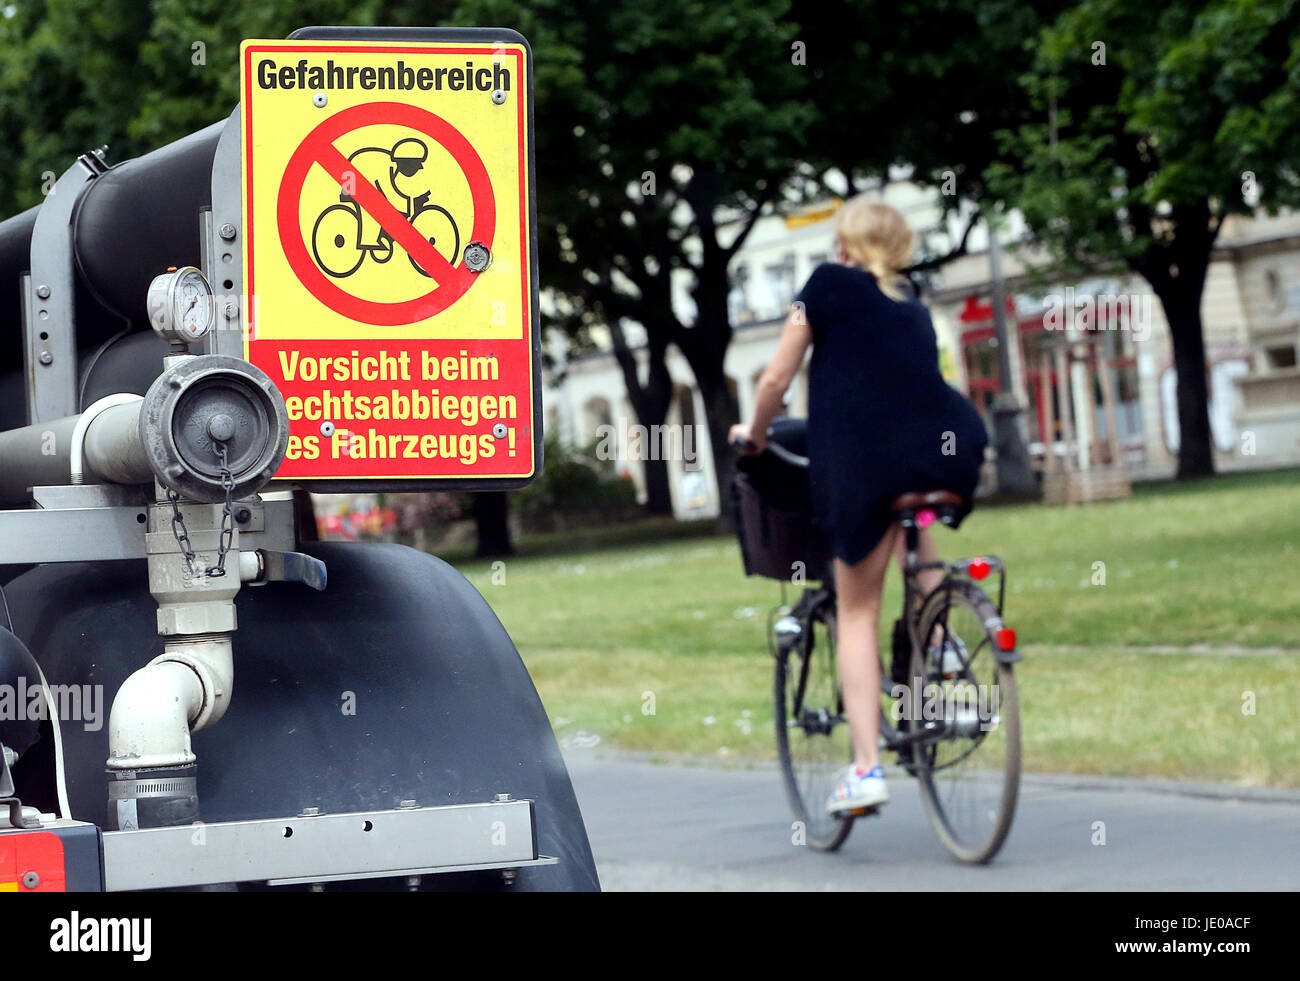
[
  {"x": 573, "y": 482},
  {"x": 76, "y": 74},
  {"x": 1195, "y": 104},
  {"x": 917, "y": 84},
  {"x": 1152, "y": 123}
]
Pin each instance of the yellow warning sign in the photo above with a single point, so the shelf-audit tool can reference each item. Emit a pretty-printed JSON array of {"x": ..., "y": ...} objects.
[
  {"x": 388, "y": 219},
  {"x": 370, "y": 170}
]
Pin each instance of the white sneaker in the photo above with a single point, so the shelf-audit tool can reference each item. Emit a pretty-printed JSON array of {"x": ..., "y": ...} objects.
[
  {"x": 858, "y": 789},
  {"x": 954, "y": 659}
]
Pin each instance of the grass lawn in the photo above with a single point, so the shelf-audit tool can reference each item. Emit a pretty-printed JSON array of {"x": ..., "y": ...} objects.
[{"x": 653, "y": 639}]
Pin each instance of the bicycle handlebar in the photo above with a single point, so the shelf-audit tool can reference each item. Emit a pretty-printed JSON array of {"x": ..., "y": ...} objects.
[{"x": 776, "y": 449}]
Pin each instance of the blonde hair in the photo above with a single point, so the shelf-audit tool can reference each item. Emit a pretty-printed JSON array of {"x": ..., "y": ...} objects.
[{"x": 877, "y": 238}]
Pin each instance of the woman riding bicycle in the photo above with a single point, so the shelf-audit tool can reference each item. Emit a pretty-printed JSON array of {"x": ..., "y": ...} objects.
[{"x": 882, "y": 422}]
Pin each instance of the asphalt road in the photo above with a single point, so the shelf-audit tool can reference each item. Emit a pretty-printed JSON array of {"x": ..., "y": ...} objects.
[{"x": 683, "y": 827}]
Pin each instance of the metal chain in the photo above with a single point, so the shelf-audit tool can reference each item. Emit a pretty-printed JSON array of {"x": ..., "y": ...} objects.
[{"x": 227, "y": 521}]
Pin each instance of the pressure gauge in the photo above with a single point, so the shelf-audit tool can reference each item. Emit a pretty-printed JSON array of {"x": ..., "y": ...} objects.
[{"x": 181, "y": 305}]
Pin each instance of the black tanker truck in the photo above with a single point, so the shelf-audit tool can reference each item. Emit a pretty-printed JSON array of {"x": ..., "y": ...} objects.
[{"x": 285, "y": 712}]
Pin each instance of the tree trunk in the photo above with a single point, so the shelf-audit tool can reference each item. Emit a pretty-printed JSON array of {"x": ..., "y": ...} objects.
[
  {"x": 491, "y": 511},
  {"x": 658, "y": 494},
  {"x": 304, "y": 517},
  {"x": 721, "y": 413},
  {"x": 705, "y": 348},
  {"x": 650, "y": 402},
  {"x": 1195, "y": 446}
]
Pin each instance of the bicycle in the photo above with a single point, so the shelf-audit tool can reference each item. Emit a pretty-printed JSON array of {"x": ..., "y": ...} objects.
[
  {"x": 336, "y": 237},
  {"x": 949, "y": 705}
]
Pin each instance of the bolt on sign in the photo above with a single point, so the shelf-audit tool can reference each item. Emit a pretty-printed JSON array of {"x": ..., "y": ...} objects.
[{"x": 390, "y": 253}]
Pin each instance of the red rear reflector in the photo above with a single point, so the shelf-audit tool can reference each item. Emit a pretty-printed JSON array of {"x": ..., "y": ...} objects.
[
  {"x": 31, "y": 861},
  {"x": 1006, "y": 639},
  {"x": 977, "y": 568}
]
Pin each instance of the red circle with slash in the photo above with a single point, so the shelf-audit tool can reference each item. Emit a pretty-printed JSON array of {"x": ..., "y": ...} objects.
[{"x": 318, "y": 149}]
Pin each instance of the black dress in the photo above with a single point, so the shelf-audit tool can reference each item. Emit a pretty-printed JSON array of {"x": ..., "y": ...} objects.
[{"x": 882, "y": 421}]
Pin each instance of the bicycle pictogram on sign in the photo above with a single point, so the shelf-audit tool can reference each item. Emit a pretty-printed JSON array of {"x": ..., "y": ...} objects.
[{"x": 345, "y": 233}]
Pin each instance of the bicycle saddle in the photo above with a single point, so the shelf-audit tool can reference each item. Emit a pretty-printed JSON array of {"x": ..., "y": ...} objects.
[{"x": 916, "y": 500}]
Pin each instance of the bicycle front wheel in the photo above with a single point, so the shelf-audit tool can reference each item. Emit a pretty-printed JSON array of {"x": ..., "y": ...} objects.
[
  {"x": 970, "y": 771},
  {"x": 812, "y": 735},
  {"x": 436, "y": 227}
]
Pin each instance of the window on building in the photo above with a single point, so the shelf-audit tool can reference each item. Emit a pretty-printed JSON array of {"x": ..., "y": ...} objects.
[
  {"x": 779, "y": 280},
  {"x": 980, "y": 352},
  {"x": 1280, "y": 356},
  {"x": 1274, "y": 292},
  {"x": 1045, "y": 391},
  {"x": 1044, "y": 411},
  {"x": 738, "y": 305},
  {"x": 596, "y": 414}
]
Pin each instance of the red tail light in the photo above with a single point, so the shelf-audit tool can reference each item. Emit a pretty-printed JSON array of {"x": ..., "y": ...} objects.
[
  {"x": 977, "y": 568},
  {"x": 1006, "y": 639}
]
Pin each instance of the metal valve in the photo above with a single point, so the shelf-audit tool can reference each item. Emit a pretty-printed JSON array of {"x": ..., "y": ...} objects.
[{"x": 207, "y": 404}]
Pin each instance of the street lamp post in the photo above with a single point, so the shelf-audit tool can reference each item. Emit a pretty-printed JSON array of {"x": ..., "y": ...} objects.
[{"x": 1015, "y": 475}]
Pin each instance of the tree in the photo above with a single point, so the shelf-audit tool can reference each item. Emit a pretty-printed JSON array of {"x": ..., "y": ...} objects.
[
  {"x": 491, "y": 511},
  {"x": 76, "y": 74},
  {"x": 903, "y": 97},
  {"x": 664, "y": 132},
  {"x": 678, "y": 128},
  {"x": 1155, "y": 122},
  {"x": 570, "y": 46}
]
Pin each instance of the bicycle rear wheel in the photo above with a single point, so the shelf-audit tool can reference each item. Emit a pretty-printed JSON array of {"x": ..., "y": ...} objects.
[
  {"x": 334, "y": 242},
  {"x": 812, "y": 735},
  {"x": 970, "y": 772}
]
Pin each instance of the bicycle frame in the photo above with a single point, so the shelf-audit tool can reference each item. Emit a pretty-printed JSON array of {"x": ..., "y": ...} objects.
[{"x": 913, "y": 595}]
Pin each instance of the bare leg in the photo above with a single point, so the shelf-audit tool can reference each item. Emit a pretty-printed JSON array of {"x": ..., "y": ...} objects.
[
  {"x": 925, "y": 552},
  {"x": 858, "y": 589}
]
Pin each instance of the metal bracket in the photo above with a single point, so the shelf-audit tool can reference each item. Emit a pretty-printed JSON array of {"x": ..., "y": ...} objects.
[
  {"x": 91, "y": 529},
  {"x": 292, "y": 567},
  {"x": 225, "y": 250},
  {"x": 7, "y": 798},
  {"x": 55, "y": 497},
  {"x": 16, "y": 819},
  {"x": 71, "y": 535},
  {"x": 6, "y": 778},
  {"x": 49, "y": 296},
  {"x": 325, "y": 847}
]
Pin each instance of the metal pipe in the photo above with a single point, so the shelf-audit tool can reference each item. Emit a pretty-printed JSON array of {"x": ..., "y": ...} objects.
[
  {"x": 113, "y": 448},
  {"x": 149, "y": 725},
  {"x": 134, "y": 221},
  {"x": 77, "y": 465},
  {"x": 141, "y": 217},
  {"x": 42, "y": 454},
  {"x": 183, "y": 690}
]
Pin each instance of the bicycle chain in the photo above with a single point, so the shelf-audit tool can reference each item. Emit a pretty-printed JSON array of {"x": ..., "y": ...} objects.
[{"x": 227, "y": 521}]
